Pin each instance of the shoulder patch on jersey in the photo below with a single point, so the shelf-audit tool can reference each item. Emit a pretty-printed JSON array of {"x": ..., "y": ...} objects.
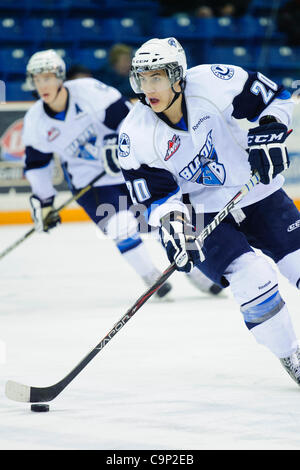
[
  {"x": 222, "y": 71},
  {"x": 124, "y": 145}
]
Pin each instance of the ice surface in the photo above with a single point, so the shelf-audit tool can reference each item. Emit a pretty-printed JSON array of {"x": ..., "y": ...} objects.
[{"x": 185, "y": 374}]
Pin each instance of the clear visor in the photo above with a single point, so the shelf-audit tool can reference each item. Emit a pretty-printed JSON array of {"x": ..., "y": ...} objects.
[
  {"x": 149, "y": 81},
  {"x": 38, "y": 68},
  {"x": 44, "y": 79}
]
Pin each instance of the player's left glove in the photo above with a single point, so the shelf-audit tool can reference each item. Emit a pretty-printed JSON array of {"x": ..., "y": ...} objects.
[
  {"x": 180, "y": 242},
  {"x": 43, "y": 213},
  {"x": 267, "y": 152},
  {"x": 110, "y": 155}
]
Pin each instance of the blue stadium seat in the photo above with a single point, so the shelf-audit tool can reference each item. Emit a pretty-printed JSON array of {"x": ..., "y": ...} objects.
[
  {"x": 92, "y": 58},
  {"x": 117, "y": 8},
  {"x": 13, "y": 61},
  {"x": 43, "y": 29},
  {"x": 284, "y": 58},
  {"x": 15, "y": 91},
  {"x": 13, "y": 6},
  {"x": 181, "y": 27},
  {"x": 263, "y": 6},
  {"x": 239, "y": 55},
  {"x": 223, "y": 28},
  {"x": 86, "y": 6},
  {"x": 11, "y": 29},
  {"x": 129, "y": 4},
  {"x": 259, "y": 28},
  {"x": 232, "y": 30},
  {"x": 123, "y": 29},
  {"x": 57, "y": 6},
  {"x": 82, "y": 29}
]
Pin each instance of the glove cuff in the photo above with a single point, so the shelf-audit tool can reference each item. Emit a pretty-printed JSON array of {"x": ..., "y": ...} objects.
[{"x": 267, "y": 120}]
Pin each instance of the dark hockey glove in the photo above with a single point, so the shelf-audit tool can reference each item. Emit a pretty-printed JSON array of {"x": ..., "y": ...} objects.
[
  {"x": 110, "y": 155},
  {"x": 43, "y": 213},
  {"x": 267, "y": 152},
  {"x": 180, "y": 242}
]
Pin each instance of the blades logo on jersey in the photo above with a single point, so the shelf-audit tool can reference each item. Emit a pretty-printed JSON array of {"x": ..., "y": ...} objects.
[
  {"x": 204, "y": 168},
  {"x": 89, "y": 151},
  {"x": 173, "y": 146},
  {"x": 85, "y": 145}
]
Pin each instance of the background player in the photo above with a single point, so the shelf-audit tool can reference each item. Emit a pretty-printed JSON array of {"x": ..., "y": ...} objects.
[{"x": 196, "y": 111}]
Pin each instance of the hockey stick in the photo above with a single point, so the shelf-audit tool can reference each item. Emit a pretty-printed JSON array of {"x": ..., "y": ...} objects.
[
  {"x": 24, "y": 393},
  {"x": 66, "y": 203}
]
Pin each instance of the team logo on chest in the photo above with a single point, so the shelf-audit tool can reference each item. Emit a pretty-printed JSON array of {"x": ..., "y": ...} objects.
[
  {"x": 84, "y": 145},
  {"x": 52, "y": 134},
  {"x": 204, "y": 168},
  {"x": 173, "y": 146}
]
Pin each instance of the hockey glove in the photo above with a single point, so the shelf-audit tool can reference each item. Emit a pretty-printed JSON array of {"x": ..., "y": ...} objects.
[
  {"x": 110, "y": 155},
  {"x": 267, "y": 152},
  {"x": 43, "y": 213},
  {"x": 179, "y": 241}
]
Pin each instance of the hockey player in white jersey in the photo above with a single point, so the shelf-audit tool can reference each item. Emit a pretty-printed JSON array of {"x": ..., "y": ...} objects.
[
  {"x": 79, "y": 121},
  {"x": 183, "y": 140}
]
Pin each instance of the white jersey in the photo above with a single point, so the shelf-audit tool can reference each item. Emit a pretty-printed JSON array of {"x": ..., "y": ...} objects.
[
  {"x": 93, "y": 112},
  {"x": 208, "y": 160}
]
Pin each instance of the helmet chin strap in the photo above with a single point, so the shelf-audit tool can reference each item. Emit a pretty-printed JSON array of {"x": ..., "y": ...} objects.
[
  {"x": 182, "y": 83},
  {"x": 176, "y": 94},
  {"x": 58, "y": 90},
  {"x": 175, "y": 97}
]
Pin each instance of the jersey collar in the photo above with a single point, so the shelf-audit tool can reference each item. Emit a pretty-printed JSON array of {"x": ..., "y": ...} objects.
[
  {"x": 164, "y": 118},
  {"x": 52, "y": 113}
]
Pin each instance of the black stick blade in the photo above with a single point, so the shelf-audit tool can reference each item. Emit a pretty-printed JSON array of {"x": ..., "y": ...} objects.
[{"x": 23, "y": 393}]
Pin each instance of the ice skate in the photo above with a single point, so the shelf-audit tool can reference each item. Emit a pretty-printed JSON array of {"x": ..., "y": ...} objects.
[{"x": 292, "y": 365}]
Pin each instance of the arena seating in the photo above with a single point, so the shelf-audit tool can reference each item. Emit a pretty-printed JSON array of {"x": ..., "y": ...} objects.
[{"x": 84, "y": 30}]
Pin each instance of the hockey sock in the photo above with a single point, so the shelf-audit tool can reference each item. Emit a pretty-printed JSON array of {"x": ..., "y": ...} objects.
[{"x": 253, "y": 282}]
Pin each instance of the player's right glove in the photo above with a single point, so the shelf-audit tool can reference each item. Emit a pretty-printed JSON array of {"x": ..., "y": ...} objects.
[
  {"x": 110, "y": 155},
  {"x": 43, "y": 213},
  {"x": 181, "y": 245},
  {"x": 267, "y": 151}
]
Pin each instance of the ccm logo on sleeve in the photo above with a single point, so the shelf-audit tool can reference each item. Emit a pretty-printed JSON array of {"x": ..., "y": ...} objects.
[{"x": 265, "y": 139}]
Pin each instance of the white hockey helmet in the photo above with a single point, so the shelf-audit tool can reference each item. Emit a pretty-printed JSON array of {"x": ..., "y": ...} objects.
[
  {"x": 45, "y": 61},
  {"x": 157, "y": 54}
]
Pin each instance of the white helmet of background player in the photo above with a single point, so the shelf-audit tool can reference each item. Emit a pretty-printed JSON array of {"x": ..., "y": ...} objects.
[
  {"x": 45, "y": 61},
  {"x": 158, "y": 54}
]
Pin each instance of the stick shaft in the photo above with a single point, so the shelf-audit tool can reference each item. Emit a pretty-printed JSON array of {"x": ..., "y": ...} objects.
[{"x": 19, "y": 392}]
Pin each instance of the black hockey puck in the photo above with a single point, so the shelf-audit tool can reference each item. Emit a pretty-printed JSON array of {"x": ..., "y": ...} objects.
[{"x": 39, "y": 407}]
